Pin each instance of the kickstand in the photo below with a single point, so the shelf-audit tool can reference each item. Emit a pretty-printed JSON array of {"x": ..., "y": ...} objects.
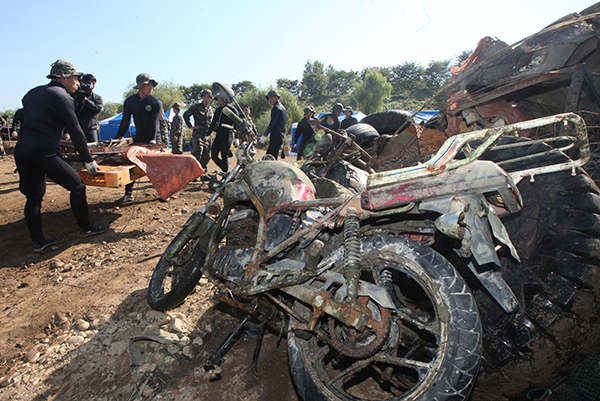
[{"x": 213, "y": 363}]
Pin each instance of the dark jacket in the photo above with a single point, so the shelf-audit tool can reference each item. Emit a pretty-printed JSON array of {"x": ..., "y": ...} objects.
[
  {"x": 278, "y": 120},
  {"x": 48, "y": 110},
  {"x": 222, "y": 124},
  {"x": 146, "y": 116},
  {"x": 18, "y": 120},
  {"x": 87, "y": 112},
  {"x": 348, "y": 122},
  {"x": 331, "y": 121},
  {"x": 304, "y": 130}
]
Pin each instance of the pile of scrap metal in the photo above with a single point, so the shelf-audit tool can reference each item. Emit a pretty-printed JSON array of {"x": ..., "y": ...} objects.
[
  {"x": 109, "y": 153},
  {"x": 551, "y": 72}
]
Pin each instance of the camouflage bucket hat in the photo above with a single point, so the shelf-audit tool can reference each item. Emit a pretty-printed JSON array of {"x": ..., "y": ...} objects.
[
  {"x": 176, "y": 105},
  {"x": 62, "y": 69},
  {"x": 206, "y": 92},
  {"x": 338, "y": 107},
  {"x": 272, "y": 93},
  {"x": 143, "y": 79},
  {"x": 348, "y": 108},
  {"x": 311, "y": 109}
]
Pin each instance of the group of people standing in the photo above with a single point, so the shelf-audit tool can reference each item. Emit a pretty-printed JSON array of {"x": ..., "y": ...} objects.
[
  {"x": 69, "y": 104},
  {"x": 306, "y": 132}
]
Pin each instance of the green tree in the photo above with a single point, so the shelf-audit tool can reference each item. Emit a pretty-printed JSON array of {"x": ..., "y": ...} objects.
[
  {"x": 110, "y": 109},
  {"x": 166, "y": 91},
  {"x": 242, "y": 87},
  {"x": 436, "y": 74},
  {"x": 372, "y": 92},
  {"x": 406, "y": 76},
  {"x": 191, "y": 94},
  {"x": 290, "y": 85},
  {"x": 339, "y": 82},
  {"x": 460, "y": 58},
  {"x": 261, "y": 109},
  {"x": 314, "y": 81}
]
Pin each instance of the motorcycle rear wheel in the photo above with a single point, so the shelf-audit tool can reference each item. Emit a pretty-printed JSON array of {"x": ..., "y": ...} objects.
[
  {"x": 173, "y": 280},
  {"x": 434, "y": 343}
]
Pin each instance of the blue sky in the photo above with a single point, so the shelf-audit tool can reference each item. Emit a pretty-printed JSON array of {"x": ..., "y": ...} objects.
[{"x": 197, "y": 41}]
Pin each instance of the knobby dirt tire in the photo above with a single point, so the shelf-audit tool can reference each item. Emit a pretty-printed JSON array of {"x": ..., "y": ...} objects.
[
  {"x": 180, "y": 276},
  {"x": 435, "y": 330},
  {"x": 557, "y": 236}
]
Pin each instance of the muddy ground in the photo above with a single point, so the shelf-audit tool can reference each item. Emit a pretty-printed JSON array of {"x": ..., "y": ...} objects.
[{"x": 69, "y": 316}]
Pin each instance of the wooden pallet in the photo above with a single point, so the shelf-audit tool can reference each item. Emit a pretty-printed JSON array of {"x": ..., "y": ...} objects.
[{"x": 112, "y": 176}]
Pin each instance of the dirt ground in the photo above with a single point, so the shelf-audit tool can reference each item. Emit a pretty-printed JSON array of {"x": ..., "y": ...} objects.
[{"x": 73, "y": 317}]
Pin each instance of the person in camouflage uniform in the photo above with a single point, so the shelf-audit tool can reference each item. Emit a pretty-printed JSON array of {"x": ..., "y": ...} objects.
[
  {"x": 165, "y": 126},
  {"x": 203, "y": 115},
  {"x": 177, "y": 130}
]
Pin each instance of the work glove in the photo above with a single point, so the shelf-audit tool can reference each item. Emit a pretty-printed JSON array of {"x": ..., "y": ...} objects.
[{"x": 92, "y": 167}]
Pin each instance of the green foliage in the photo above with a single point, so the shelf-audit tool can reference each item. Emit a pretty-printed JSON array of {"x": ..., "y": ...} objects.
[
  {"x": 372, "y": 92},
  {"x": 110, "y": 109},
  {"x": 261, "y": 108},
  {"x": 460, "y": 58},
  {"x": 406, "y": 76},
  {"x": 314, "y": 81},
  {"x": 242, "y": 87},
  {"x": 339, "y": 82},
  {"x": 437, "y": 74},
  {"x": 8, "y": 113},
  {"x": 290, "y": 85},
  {"x": 191, "y": 94},
  {"x": 166, "y": 91}
]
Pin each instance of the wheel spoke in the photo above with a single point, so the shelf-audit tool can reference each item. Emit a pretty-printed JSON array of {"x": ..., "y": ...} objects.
[
  {"x": 339, "y": 380},
  {"x": 422, "y": 368},
  {"x": 429, "y": 327}
]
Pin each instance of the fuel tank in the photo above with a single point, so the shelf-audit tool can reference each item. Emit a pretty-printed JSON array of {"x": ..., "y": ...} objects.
[{"x": 275, "y": 182}]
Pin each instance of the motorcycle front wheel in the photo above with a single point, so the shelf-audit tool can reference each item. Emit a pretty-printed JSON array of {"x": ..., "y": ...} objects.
[
  {"x": 433, "y": 346},
  {"x": 175, "y": 278}
]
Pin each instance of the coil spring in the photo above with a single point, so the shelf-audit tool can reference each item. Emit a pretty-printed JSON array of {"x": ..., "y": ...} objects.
[
  {"x": 352, "y": 242},
  {"x": 386, "y": 276}
]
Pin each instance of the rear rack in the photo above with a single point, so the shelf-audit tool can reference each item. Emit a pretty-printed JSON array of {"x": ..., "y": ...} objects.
[{"x": 553, "y": 143}]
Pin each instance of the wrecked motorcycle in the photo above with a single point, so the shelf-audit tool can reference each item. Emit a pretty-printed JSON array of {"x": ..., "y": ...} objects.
[{"x": 373, "y": 311}]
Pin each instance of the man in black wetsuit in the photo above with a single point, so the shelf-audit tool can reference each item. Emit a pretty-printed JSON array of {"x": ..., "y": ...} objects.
[
  {"x": 147, "y": 111},
  {"x": 277, "y": 125},
  {"x": 349, "y": 120},
  {"x": 332, "y": 120},
  {"x": 223, "y": 126},
  {"x": 48, "y": 110},
  {"x": 305, "y": 130}
]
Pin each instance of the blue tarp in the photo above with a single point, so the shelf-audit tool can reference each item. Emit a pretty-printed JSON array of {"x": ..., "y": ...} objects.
[{"x": 110, "y": 126}]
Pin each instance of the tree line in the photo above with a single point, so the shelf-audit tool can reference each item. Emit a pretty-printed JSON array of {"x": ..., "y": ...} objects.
[{"x": 404, "y": 86}]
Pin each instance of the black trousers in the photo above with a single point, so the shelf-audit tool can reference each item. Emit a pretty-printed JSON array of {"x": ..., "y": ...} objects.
[
  {"x": 274, "y": 145},
  {"x": 222, "y": 145},
  {"x": 32, "y": 183}
]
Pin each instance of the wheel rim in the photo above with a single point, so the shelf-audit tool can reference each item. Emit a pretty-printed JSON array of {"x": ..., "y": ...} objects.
[
  {"x": 170, "y": 271},
  {"x": 407, "y": 362}
]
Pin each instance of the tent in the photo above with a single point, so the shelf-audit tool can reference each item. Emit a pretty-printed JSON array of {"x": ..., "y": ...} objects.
[{"x": 110, "y": 126}]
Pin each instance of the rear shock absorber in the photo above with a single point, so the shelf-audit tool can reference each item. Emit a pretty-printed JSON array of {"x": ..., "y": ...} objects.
[{"x": 352, "y": 253}]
